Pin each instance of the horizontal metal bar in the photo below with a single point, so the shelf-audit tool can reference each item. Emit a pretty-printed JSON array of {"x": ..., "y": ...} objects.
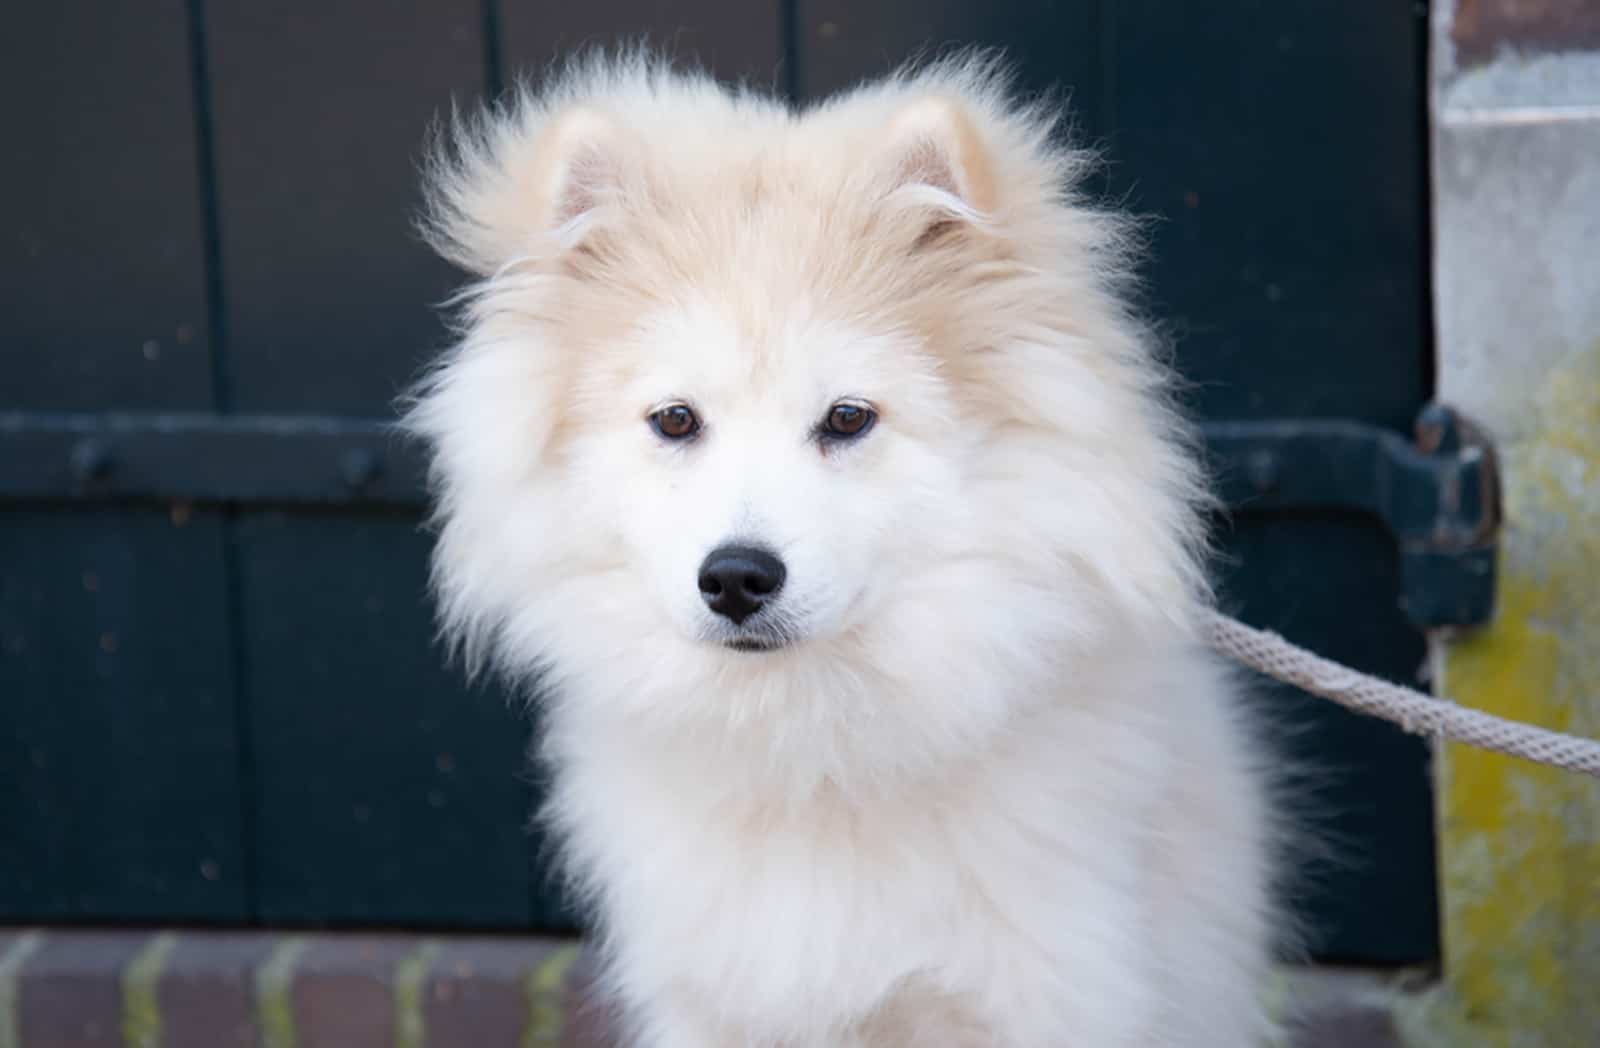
[
  {"x": 207, "y": 458},
  {"x": 1437, "y": 497},
  {"x": 1275, "y": 464},
  {"x": 1443, "y": 498}
]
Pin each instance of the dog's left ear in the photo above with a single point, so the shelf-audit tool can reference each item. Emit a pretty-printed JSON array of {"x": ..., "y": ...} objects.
[{"x": 937, "y": 158}]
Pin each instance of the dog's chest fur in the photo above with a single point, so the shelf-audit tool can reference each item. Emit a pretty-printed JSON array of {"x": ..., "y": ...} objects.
[{"x": 832, "y": 913}]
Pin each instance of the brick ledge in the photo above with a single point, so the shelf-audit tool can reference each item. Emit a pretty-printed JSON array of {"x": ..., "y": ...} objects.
[{"x": 266, "y": 989}]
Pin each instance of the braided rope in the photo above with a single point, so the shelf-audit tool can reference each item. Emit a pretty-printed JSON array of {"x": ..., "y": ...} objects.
[{"x": 1414, "y": 711}]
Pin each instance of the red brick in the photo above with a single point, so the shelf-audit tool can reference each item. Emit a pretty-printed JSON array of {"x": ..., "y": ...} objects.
[
  {"x": 207, "y": 991},
  {"x": 476, "y": 991},
  {"x": 342, "y": 991},
  {"x": 70, "y": 989},
  {"x": 591, "y": 1020}
]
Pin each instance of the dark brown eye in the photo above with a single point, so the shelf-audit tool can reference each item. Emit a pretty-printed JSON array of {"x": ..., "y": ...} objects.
[
  {"x": 847, "y": 420},
  {"x": 675, "y": 422}
]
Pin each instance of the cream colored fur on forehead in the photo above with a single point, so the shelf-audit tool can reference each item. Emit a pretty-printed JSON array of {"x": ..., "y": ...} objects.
[
  {"x": 610, "y": 136},
  {"x": 930, "y": 199}
]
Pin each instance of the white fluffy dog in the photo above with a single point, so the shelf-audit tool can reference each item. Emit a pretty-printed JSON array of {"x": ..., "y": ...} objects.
[{"x": 815, "y": 465}]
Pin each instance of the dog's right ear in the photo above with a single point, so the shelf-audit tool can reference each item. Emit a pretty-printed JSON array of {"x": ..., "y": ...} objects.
[
  {"x": 935, "y": 167},
  {"x": 523, "y": 185},
  {"x": 934, "y": 145}
]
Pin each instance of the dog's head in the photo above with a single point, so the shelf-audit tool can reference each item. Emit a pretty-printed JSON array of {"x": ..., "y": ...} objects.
[{"x": 739, "y": 386}]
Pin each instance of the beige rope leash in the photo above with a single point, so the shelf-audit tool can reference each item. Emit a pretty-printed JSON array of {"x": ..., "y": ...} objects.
[{"x": 1414, "y": 711}]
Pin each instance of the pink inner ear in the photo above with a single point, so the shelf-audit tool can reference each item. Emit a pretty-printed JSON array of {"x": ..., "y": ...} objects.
[
  {"x": 926, "y": 164},
  {"x": 937, "y": 147},
  {"x": 590, "y": 170}
]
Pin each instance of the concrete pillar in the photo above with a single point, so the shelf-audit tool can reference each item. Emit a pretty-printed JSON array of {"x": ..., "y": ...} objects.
[{"x": 1516, "y": 181}]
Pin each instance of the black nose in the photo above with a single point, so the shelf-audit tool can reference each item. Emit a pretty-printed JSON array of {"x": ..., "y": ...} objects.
[{"x": 736, "y": 580}]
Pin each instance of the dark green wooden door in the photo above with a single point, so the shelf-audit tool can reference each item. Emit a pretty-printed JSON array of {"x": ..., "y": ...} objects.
[{"x": 230, "y": 709}]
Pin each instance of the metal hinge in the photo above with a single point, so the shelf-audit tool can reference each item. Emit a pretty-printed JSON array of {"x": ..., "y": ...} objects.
[{"x": 1438, "y": 496}]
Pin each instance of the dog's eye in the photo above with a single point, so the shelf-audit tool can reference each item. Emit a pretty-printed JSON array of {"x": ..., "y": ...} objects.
[
  {"x": 675, "y": 422},
  {"x": 847, "y": 420}
]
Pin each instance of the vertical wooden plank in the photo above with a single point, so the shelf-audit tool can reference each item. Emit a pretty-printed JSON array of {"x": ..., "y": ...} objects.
[
  {"x": 1053, "y": 45},
  {"x": 121, "y": 793},
  {"x": 320, "y": 112},
  {"x": 737, "y": 41},
  {"x": 104, "y": 296},
  {"x": 1281, "y": 148},
  {"x": 384, "y": 790},
  {"x": 1360, "y": 785}
]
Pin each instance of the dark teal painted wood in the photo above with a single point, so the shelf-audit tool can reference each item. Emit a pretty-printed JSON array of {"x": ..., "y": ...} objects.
[
  {"x": 321, "y": 111},
  {"x": 119, "y": 776},
  {"x": 1280, "y": 147},
  {"x": 1328, "y": 581},
  {"x": 385, "y": 791},
  {"x": 103, "y": 302},
  {"x": 119, "y": 789},
  {"x": 1054, "y": 45},
  {"x": 737, "y": 41},
  {"x": 1278, "y": 150}
]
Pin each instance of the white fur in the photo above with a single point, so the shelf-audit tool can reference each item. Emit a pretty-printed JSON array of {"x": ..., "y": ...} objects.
[{"x": 994, "y": 792}]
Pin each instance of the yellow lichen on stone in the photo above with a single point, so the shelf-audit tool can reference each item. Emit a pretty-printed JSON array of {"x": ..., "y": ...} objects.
[
  {"x": 546, "y": 989},
  {"x": 1519, "y": 844}
]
